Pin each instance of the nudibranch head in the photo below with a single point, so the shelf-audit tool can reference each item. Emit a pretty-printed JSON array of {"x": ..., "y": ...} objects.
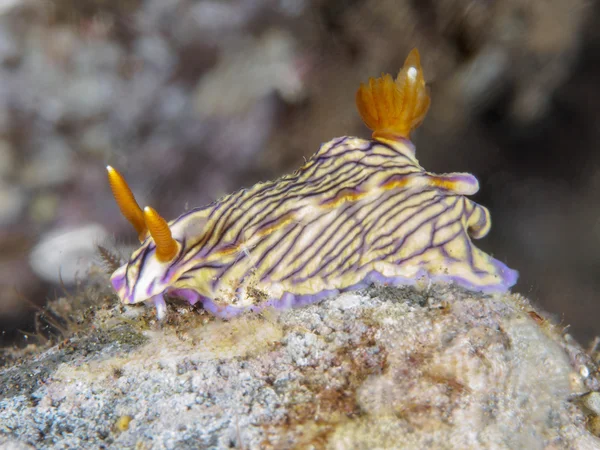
[
  {"x": 144, "y": 276},
  {"x": 153, "y": 267},
  {"x": 393, "y": 108}
]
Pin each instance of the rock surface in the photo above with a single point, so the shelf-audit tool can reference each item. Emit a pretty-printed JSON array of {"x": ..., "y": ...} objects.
[{"x": 435, "y": 367}]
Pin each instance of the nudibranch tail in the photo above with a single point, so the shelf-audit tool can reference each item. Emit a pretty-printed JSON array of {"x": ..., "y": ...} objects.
[
  {"x": 126, "y": 202},
  {"x": 166, "y": 246},
  {"x": 393, "y": 108}
]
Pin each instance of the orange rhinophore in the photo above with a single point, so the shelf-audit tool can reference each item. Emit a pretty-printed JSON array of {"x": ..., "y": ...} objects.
[
  {"x": 393, "y": 108},
  {"x": 166, "y": 246},
  {"x": 126, "y": 202},
  {"x": 144, "y": 221}
]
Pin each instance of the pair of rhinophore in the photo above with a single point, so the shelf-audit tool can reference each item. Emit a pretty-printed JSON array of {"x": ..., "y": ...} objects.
[{"x": 144, "y": 221}]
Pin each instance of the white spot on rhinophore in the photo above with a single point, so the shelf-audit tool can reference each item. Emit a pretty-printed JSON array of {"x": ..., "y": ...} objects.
[{"x": 412, "y": 73}]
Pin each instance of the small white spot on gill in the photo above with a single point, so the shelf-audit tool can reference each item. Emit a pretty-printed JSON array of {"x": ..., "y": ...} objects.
[{"x": 412, "y": 73}]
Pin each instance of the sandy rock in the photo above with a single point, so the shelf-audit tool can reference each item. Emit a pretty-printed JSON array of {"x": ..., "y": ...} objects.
[{"x": 381, "y": 368}]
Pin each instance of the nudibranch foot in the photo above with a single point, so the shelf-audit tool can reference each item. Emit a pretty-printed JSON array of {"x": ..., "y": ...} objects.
[
  {"x": 161, "y": 306},
  {"x": 290, "y": 300}
]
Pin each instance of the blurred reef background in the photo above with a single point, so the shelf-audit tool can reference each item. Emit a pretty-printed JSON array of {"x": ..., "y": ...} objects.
[{"x": 192, "y": 99}]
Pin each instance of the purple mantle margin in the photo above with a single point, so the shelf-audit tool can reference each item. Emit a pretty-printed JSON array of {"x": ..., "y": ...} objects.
[{"x": 289, "y": 300}]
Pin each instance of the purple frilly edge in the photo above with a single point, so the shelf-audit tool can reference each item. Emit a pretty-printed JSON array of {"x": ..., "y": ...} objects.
[{"x": 290, "y": 300}]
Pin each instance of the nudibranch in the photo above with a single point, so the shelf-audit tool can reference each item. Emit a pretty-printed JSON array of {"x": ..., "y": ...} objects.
[{"x": 358, "y": 212}]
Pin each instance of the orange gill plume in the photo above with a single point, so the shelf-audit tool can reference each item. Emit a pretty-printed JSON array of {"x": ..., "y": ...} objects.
[
  {"x": 126, "y": 202},
  {"x": 166, "y": 246},
  {"x": 393, "y": 108}
]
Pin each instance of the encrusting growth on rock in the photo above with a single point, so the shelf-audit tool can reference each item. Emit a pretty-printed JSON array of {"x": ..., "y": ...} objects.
[{"x": 381, "y": 368}]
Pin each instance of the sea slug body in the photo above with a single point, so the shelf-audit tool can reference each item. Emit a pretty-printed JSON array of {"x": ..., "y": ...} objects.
[{"x": 358, "y": 212}]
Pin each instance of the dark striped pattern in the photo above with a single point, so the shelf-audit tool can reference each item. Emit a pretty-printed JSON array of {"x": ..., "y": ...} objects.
[{"x": 357, "y": 210}]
